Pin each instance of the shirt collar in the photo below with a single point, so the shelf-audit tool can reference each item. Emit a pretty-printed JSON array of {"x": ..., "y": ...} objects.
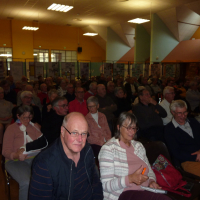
[{"x": 176, "y": 124}]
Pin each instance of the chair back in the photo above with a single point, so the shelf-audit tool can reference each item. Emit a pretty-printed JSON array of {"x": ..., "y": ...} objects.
[{"x": 154, "y": 149}]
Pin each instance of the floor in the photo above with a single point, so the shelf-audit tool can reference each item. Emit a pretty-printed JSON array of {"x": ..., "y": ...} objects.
[{"x": 14, "y": 188}]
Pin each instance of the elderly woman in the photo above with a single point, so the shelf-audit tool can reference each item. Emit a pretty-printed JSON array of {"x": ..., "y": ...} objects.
[
  {"x": 52, "y": 94},
  {"x": 122, "y": 161},
  {"x": 22, "y": 136},
  {"x": 98, "y": 126},
  {"x": 5, "y": 114},
  {"x": 123, "y": 104}
]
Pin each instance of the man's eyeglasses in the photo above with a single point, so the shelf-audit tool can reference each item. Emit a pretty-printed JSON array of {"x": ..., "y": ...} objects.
[
  {"x": 76, "y": 134},
  {"x": 181, "y": 113},
  {"x": 129, "y": 128},
  {"x": 63, "y": 106}
]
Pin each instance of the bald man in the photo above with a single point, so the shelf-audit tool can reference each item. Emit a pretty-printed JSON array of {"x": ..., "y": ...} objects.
[{"x": 66, "y": 170}]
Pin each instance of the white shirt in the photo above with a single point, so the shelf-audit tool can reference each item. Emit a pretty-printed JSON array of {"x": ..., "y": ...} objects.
[
  {"x": 166, "y": 105},
  {"x": 95, "y": 117},
  {"x": 186, "y": 127}
]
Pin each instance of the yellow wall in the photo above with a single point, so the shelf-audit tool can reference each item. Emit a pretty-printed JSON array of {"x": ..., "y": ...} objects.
[
  {"x": 5, "y": 33},
  {"x": 48, "y": 37},
  {"x": 196, "y": 34}
]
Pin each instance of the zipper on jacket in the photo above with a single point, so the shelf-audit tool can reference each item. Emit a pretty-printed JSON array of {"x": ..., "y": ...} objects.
[
  {"x": 70, "y": 180},
  {"x": 86, "y": 169}
]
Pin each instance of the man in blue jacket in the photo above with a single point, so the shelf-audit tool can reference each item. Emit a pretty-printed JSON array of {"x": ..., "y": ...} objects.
[
  {"x": 66, "y": 170},
  {"x": 182, "y": 136}
]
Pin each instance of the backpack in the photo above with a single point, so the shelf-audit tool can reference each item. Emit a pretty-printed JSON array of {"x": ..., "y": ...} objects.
[{"x": 168, "y": 177}]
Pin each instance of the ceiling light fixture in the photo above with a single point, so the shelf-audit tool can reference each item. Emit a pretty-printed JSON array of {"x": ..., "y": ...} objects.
[
  {"x": 35, "y": 54},
  {"x": 6, "y": 55},
  {"x": 139, "y": 20},
  {"x": 59, "y": 7},
  {"x": 30, "y": 28},
  {"x": 90, "y": 34}
]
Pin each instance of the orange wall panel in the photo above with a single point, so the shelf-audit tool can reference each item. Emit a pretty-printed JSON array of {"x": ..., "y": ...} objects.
[
  {"x": 196, "y": 34},
  {"x": 22, "y": 40},
  {"x": 5, "y": 33}
]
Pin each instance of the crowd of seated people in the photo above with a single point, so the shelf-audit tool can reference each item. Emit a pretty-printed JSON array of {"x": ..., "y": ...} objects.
[{"x": 102, "y": 101}]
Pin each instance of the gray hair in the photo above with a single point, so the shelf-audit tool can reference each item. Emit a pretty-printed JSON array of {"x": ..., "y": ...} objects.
[
  {"x": 167, "y": 89},
  {"x": 56, "y": 100},
  {"x": 52, "y": 91},
  {"x": 123, "y": 116},
  {"x": 78, "y": 88},
  {"x": 117, "y": 89},
  {"x": 24, "y": 93},
  {"x": 25, "y": 108},
  {"x": 177, "y": 104},
  {"x": 92, "y": 84},
  {"x": 93, "y": 99}
]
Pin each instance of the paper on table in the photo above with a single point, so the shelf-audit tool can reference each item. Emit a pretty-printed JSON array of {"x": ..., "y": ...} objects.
[{"x": 31, "y": 153}]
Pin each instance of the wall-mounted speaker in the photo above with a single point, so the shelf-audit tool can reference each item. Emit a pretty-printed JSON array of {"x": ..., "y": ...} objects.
[{"x": 79, "y": 49}]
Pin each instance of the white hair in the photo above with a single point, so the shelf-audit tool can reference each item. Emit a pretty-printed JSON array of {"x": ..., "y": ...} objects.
[
  {"x": 24, "y": 93},
  {"x": 177, "y": 104},
  {"x": 167, "y": 89}
]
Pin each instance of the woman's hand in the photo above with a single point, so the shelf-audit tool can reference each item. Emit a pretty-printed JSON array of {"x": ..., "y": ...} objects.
[
  {"x": 154, "y": 185},
  {"x": 21, "y": 156},
  {"x": 137, "y": 177}
]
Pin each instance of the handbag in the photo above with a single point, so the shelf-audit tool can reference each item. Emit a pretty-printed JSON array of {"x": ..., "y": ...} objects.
[{"x": 168, "y": 177}]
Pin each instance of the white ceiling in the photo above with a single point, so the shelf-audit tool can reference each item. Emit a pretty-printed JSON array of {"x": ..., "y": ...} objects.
[{"x": 96, "y": 15}]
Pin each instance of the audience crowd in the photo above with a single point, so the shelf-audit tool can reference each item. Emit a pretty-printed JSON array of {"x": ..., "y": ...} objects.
[{"x": 164, "y": 109}]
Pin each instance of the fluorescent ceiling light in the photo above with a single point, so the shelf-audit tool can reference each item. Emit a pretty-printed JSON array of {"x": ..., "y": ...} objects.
[
  {"x": 59, "y": 7},
  {"x": 6, "y": 55},
  {"x": 90, "y": 34},
  {"x": 29, "y": 28},
  {"x": 35, "y": 54},
  {"x": 139, "y": 20}
]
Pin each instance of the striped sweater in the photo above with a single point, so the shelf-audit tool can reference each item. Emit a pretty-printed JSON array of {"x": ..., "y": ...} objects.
[{"x": 114, "y": 167}]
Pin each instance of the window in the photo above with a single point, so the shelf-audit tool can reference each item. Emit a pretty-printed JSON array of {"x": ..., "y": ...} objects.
[
  {"x": 63, "y": 56},
  {"x": 41, "y": 55},
  {"x": 6, "y": 54}
]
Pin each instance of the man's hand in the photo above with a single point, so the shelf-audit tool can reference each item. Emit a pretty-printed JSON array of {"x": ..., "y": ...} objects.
[
  {"x": 154, "y": 185},
  {"x": 152, "y": 101},
  {"x": 198, "y": 155},
  {"x": 137, "y": 177}
]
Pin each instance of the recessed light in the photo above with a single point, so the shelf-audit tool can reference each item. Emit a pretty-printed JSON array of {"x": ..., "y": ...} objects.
[
  {"x": 139, "y": 20},
  {"x": 30, "y": 28},
  {"x": 59, "y": 7},
  {"x": 90, "y": 34},
  {"x": 77, "y": 20}
]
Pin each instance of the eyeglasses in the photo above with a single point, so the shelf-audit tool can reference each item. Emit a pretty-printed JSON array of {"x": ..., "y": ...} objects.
[
  {"x": 171, "y": 93},
  {"x": 80, "y": 92},
  {"x": 63, "y": 106},
  {"x": 92, "y": 106},
  {"x": 129, "y": 128},
  {"x": 181, "y": 113},
  {"x": 26, "y": 97},
  {"x": 76, "y": 134},
  {"x": 27, "y": 118}
]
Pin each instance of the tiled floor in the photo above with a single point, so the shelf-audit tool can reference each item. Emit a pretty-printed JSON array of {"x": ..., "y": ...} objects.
[{"x": 3, "y": 187}]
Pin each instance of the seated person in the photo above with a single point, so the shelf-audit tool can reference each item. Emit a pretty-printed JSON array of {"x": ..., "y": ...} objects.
[
  {"x": 92, "y": 90},
  {"x": 70, "y": 96},
  {"x": 78, "y": 104},
  {"x": 182, "y": 137},
  {"x": 193, "y": 97},
  {"x": 43, "y": 94},
  {"x": 149, "y": 114},
  {"x": 110, "y": 90},
  {"x": 49, "y": 83},
  {"x": 9, "y": 95},
  {"x": 122, "y": 160},
  {"x": 53, "y": 121},
  {"x": 62, "y": 90},
  {"x": 47, "y": 107},
  {"x": 16, "y": 140},
  {"x": 35, "y": 101},
  {"x": 98, "y": 128},
  {"x": 106, "y": 105},
  {"x": 5, "y": 114},
  {"x": 26, "y": 98},
  {"x": 154, "y": 85},
  {"x": 122, "y": 104},
  {"x": 168, "y": 94},
  {"x": 36, "y": 87}
]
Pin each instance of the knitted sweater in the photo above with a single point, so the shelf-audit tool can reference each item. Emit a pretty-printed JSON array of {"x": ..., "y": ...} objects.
[{"x": 114, "y": 167}]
